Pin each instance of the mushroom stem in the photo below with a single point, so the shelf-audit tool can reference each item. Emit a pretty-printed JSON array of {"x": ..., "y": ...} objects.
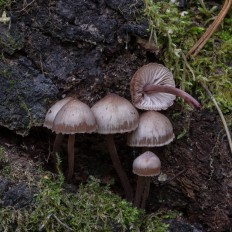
[
  {"x": 57, "y": 143},
  {"x": 139, "y": 191},
  {"x": 71, "y": 141},
  {"x": 118, "y": 167},
  {"x": 146, "y": 192},
  {"x": 56, "y": 149},
  {"x": 172, "y": 90}
]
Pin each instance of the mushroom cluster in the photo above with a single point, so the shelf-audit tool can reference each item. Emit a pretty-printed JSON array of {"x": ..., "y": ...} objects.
[{"x": 152, "y": 88}]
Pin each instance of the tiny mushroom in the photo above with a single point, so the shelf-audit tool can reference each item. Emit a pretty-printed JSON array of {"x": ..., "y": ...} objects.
[
  {"x": 145, "y": 166},
  {"x": 154, "y": 130},
  {"x": 74, "y": 117},
  {"x": 48, "y": 122},
  {"x": 115, "y": 114},
  {"x": 153, "y": 88}
]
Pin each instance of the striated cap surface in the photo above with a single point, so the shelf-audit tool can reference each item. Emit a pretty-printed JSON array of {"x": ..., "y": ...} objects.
[
  {"x": 147, "y": 164},
  {"x": 115, "y": 114},
  {"x": 52, "y": 112},
  {"x": 74, "y": 117},
  {"x": 154, "y": 130}
]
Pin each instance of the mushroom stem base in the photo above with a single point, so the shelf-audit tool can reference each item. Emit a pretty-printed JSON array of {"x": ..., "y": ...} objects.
[
  {"x": 71, "y": 142},
  {"x": 56, "y": 149},
  {"x": 119, "y": 169},
  {"x": 139, "y": 191}
]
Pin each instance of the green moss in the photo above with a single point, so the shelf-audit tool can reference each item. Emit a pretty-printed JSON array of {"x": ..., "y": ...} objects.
[
  {"x": 4, "y": 162},
  {"x": 155, "y": 222},
  {"x": 5, "y": 3},
  {"x": 93, "y": 207},
  {"x": 175, "y": 32}
]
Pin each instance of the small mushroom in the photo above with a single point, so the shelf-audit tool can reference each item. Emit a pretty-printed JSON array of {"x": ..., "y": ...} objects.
[
  {"x": 115, "y": 114},
  {"x": 145, "y": 166},
  {"x": 153, "y": 88},
  {"x": 74, "y": 117},
  {"x": 48, "y": 122},
  {"x": 154, "y": 130}
]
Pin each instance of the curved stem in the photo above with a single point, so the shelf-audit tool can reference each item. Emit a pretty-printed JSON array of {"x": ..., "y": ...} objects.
[
  {"x": 172, "y": 90},
  {"x": 71, "y": 141},
  {"x": 118, "y": 167},
  {"x": 139, "y": 191}
]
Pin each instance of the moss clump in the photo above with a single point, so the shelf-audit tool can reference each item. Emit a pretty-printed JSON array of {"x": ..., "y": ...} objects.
[
  {"x": 5, "y": 3},
  {"x": 92, "y": 208},
  {"x": 175, "y": 32}
]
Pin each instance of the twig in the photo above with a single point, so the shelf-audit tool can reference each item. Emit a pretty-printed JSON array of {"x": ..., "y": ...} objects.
[
  {"x": 174, "y": 177},
  {"x": 57, "y": 219},
  {"x": 211, "y": 29},
  {"x": 24, "y": 8},
  {"x": 221, "y": 116}
]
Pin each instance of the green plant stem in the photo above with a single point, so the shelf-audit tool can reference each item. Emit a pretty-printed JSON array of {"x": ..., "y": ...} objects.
[
  {"x": 56, "y": 149},
  {"x": 221, "y": 116}
]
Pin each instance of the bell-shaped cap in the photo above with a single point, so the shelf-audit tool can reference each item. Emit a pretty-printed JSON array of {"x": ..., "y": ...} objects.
[
  {"x": 52, "y": 112},
  {"x": 154, "y": 130},
  {"x": 147, "y": 164},
  {"x": 74, "y": 117},
  {"x": 151, "y": 74},
  {"x": 115, "y": 114}
]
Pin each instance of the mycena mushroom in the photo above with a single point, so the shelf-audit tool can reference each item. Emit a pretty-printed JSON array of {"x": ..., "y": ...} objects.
[
  {"x": 154, "y": 130},
  {"x": 145, "y": 166},
  {"x": 115, "y": 114},
  {"x": 74, "y": 117},
  {"x": 48, "y": 122},
  {"x": 153, "y": 88}
]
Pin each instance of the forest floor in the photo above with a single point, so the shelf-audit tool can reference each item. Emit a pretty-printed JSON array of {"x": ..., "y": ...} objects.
[{"x": 197, "y": 183}]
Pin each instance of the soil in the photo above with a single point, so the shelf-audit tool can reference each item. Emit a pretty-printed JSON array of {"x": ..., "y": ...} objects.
[{"x": 85, "y": 49}]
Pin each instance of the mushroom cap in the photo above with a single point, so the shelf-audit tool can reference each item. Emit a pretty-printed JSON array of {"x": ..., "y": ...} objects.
[
  {"x": 147, "y": 164},
  {"x": 115, "y": 114},
  {"x": 151, "y": 74},
  {"x": 154, "y": 130},
  {"x": 74, "y": 117},
  {"x": 52, "y": 112}
]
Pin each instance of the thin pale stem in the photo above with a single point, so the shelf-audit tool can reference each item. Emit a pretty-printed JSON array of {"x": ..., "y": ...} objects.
[
  {"x": 71, "y": 142},
  {"x": 139, "y": 191},
  {"x": 221, "y": 116},
  {"x": 172, "y": 90},
  {"x": 118, "y": 167}
]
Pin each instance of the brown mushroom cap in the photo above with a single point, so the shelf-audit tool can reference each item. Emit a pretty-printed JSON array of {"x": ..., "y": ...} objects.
[
  {"x": 152, "y": 74},
  {"x": 74, "y": 117},
  {"x": 52, "y": 112},
  {"x": 115, "y": 114},
  {"x": 147, "y": 164},
  {"x": 154, "y": 130}
]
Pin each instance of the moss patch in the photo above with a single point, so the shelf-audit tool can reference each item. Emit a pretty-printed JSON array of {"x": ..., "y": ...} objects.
[
  {"x": 175, "y": 32},
  {"x": 93, "y": 207}
]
